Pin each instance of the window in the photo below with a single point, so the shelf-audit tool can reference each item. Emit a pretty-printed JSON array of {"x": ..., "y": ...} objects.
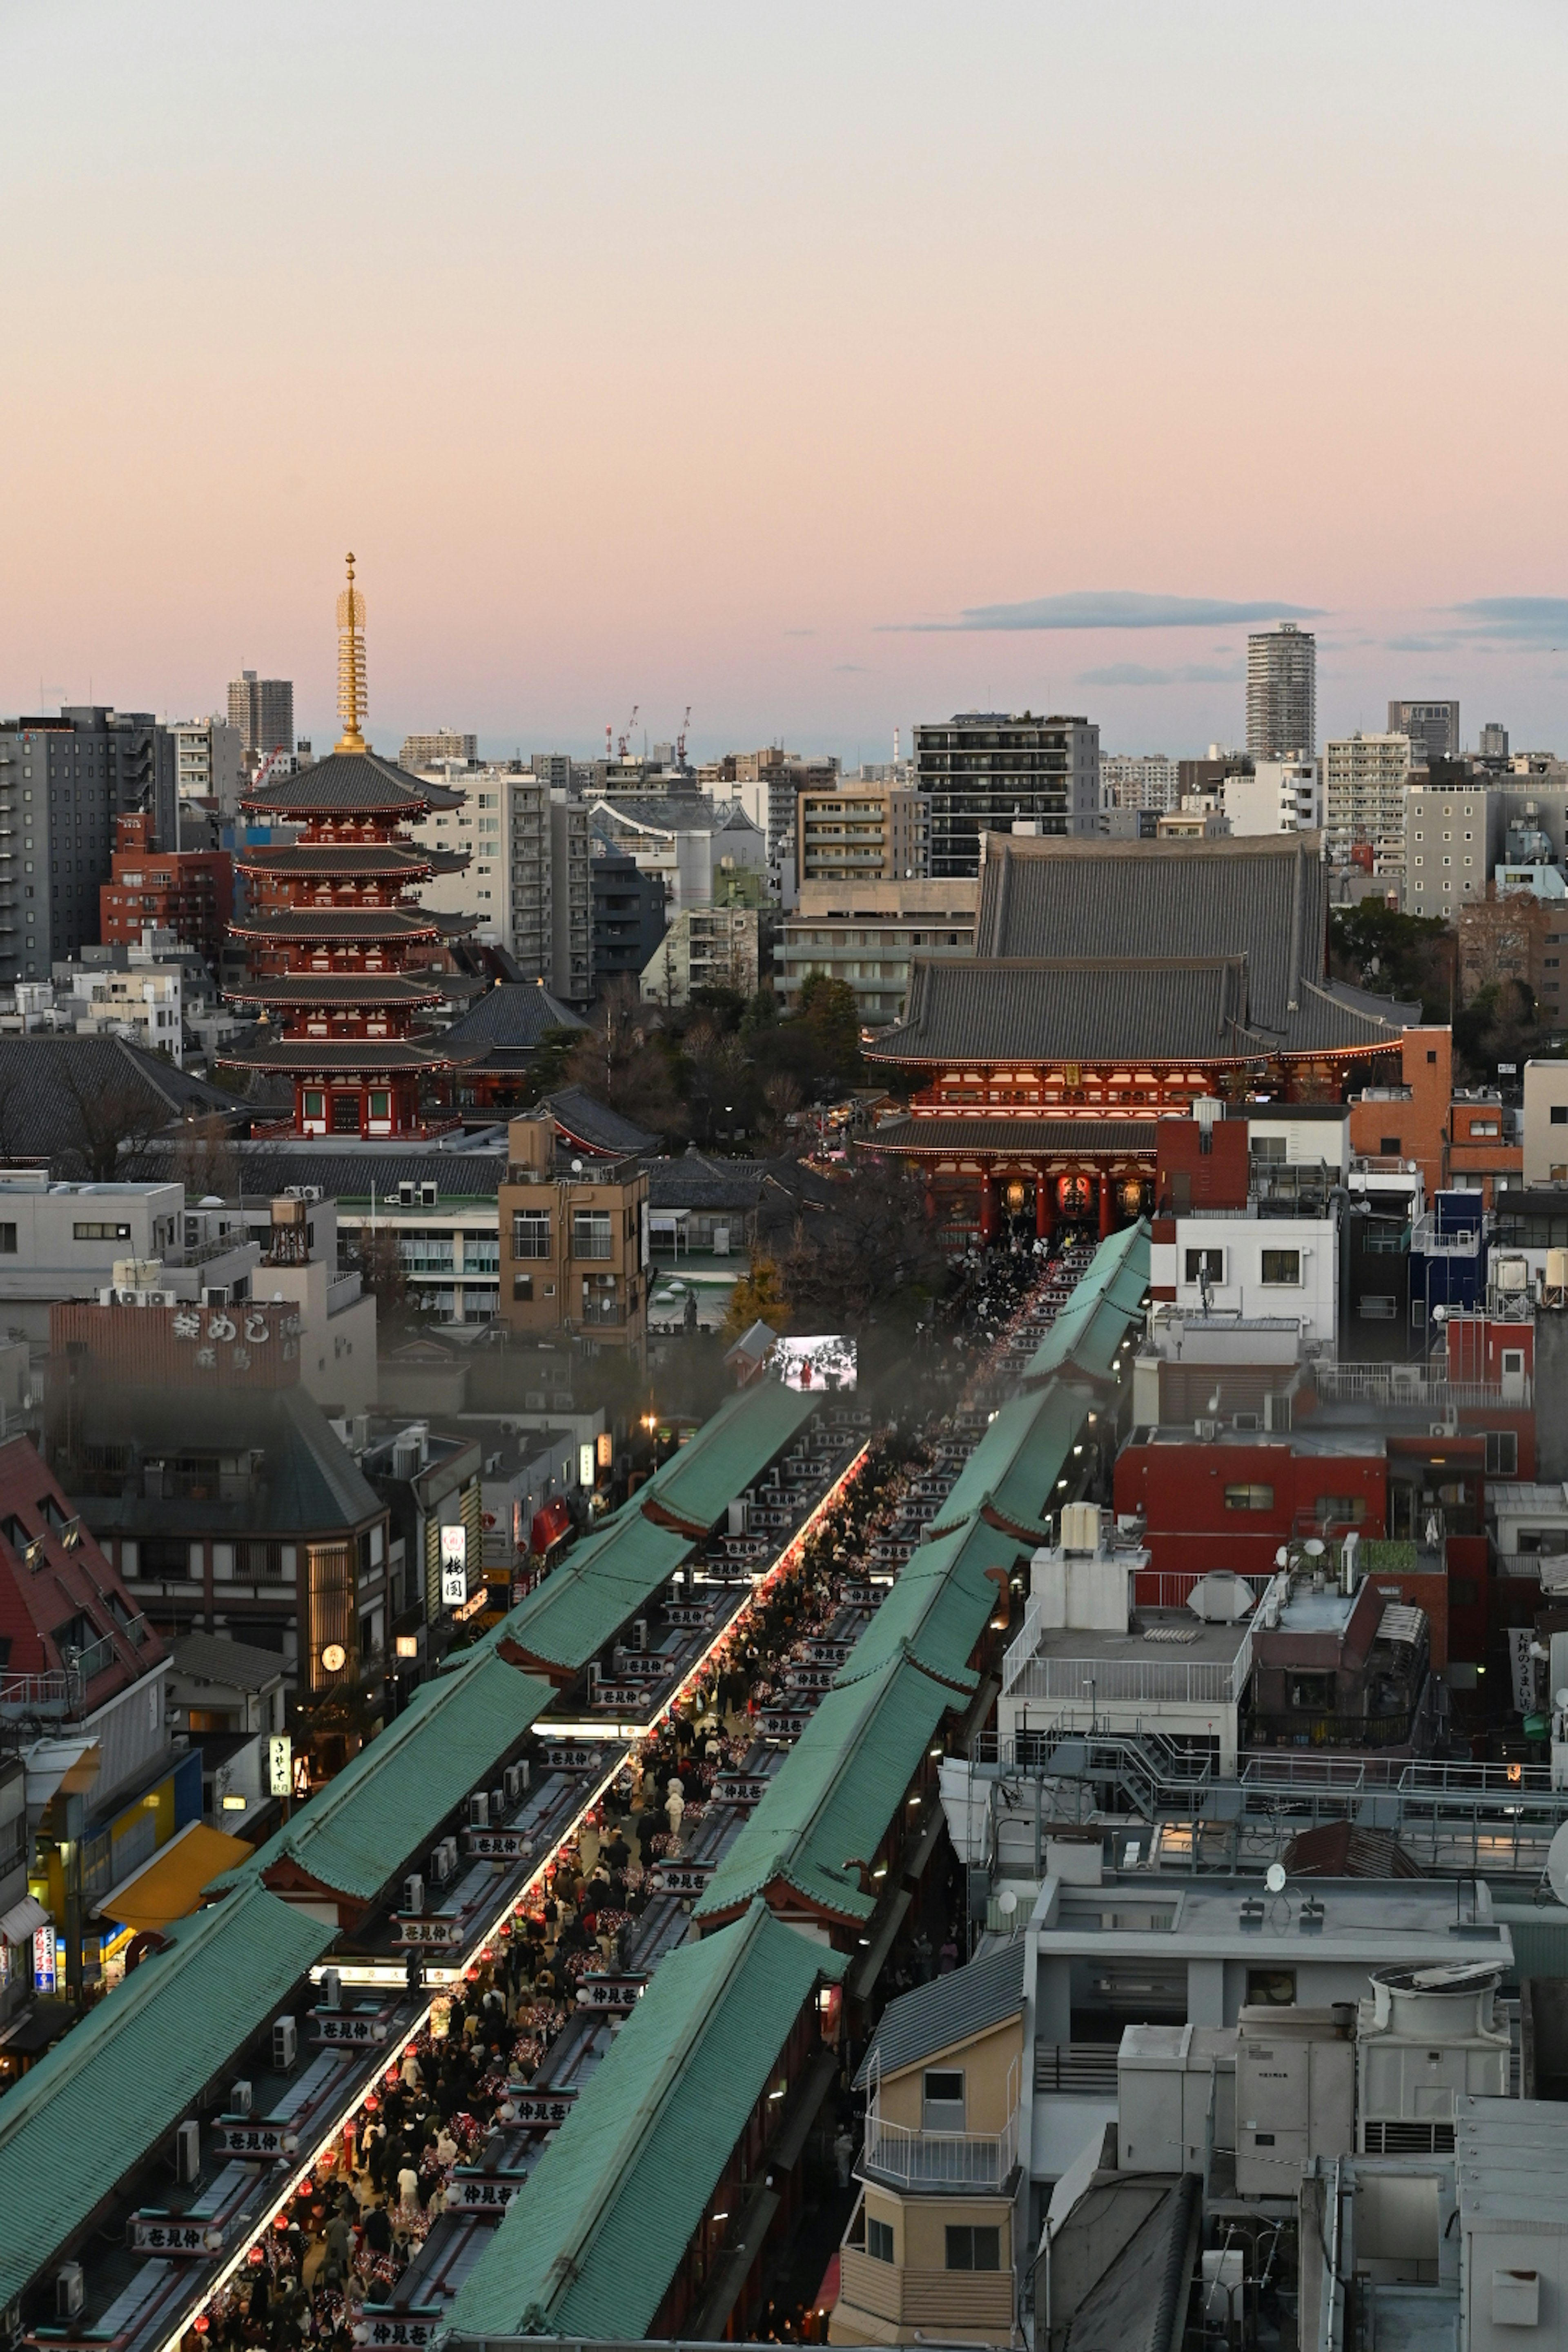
[
  {"x": 1390, "y": 1146},
  {"x": 878, "y": 2240},
  {"x": 1513, "y": 1362},
  {"x": 1206, "y": 1264},
  {"x": 89, "y": 1232},
  {"x": 1250, "y": 1498},
  {"x": 1502, "y": 1453},
  {"x": 1312, "y": 1693},
  {"x": 1271, "y": 1987},
  {"x": 591, "y": 1235},
  {"x": 942, "y": 2101},
  {"x": 1282, "y": 1266},
  {"x": 7, "y": 1241},
  {"x": 531, "y": 1232},
  {"x": 522, "y": 1286},
  {"x": 974, "y": 2249},
  {"x": 1560, "y": 1114},
  {"x": 1377, "y": 1306},
  {"x": 259, "y": 1563}
]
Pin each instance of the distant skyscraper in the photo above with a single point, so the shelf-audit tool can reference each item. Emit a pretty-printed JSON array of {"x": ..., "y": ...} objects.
[
  {"x": 263, "y": 710},
  {"x": 1494, "y": 741},
  {"x": 429, "y": 751},
  {"x": 1281, "y": 692},
  {"x": 1431, "y": 726}
]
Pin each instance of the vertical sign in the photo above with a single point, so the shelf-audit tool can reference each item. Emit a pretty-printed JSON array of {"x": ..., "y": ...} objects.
[
  {"x": 454, "y": 1567},
  {"x": 280, "y": 1765}
]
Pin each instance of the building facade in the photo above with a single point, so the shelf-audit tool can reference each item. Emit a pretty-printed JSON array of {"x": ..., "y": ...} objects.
[
  {"x": 629, "y": 917},
  {"x": 209, "y": 760},
  {"x": 982, "y": 770},
  {"x": 1281, "y": 692},
  {"x": 856, "y": 832},
  {"x": 1279, "y": 796},
  {"x": 1365, "y": 781},
  {"x": 430, "y": 750},
  {"x": 865, "y": 935},
  {"x": 1146, "y": 780},
  {"x": 64, "y": 782},
  {"x": 1452, "y": 840},
  {"x": 572, "y": 1243},
  {"x": 1433, "y": 727},
  {"x": 706, "y": 947},
  {"x": 189, "y": 892},
  {"x": 262, "y": 709}
]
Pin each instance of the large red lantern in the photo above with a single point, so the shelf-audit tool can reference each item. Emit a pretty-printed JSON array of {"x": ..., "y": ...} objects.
[{"x": 1075, "y": 1195}]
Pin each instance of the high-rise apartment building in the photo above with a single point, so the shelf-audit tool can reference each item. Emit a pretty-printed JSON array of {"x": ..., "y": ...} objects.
[
  {"x": 263, "y": 710},
  {"x": 1281, "y": 692},
  {"x": 1145, "y": 780},
  {"x": 1364, "y": 782},
  {"x": 865, "y": 832},
  {"x": 982, "y": 768},
  {"x": 64, "y": 782},
  {"x": 1433, "y": 728},
  {"x": 1494, "y": 743},
  {"x": 430, "y": 750},
  {"x": 571, "y": 900},
  {"x": 1274, "y": 796},
  {"x": 504, "y": 824}
]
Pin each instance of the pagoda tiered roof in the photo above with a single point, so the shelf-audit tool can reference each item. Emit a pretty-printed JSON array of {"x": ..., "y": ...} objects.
[
  {"x": 349, "y": 783},
  {"x": 372, "y": 860},
  {"x": 302, "y": 990},
  {"x": 350, "y": 926},
  {"x": 327, "y": 1057}
]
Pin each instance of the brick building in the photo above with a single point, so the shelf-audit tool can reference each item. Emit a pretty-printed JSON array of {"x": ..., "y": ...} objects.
[
  {"x": 1514, "y": 936},
  {"x": 1458, "y": 1141},
  {"x": 187, "y": 891}
]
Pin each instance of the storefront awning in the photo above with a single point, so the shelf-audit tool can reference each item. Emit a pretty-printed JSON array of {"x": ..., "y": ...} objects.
[
  {"x": 170, "y": 1885},
  {"x": 19, "y": 1923}
]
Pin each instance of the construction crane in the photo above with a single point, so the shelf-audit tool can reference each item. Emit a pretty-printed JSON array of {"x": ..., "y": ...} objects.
[
  {"x": 631, "y": 729},
  {"x": 681, "y": 738}
]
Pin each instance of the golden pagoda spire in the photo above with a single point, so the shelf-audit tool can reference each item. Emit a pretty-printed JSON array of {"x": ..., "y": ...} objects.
[{"x": 352, "y": 697}]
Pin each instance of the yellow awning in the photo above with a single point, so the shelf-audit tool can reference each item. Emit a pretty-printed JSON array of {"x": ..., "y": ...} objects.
[{"x": 169, "y": 1887}]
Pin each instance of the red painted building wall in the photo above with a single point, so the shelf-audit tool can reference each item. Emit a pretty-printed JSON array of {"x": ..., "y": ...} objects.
[{"x": 1204, "y": 1503}]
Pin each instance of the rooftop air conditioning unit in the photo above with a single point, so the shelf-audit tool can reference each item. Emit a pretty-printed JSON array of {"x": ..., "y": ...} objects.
[
  {"x": 1207, "y": 1430},
  {"x": 70, "y": 2291},
  {"x": 285, "y": 2044},
  {"x": 1511, "y": 1274},
  {"x": 479, "y": 1810},
  {"x": 331, "y": 1989},
  {"x": 240, "y": 2098},
  {"x": 188, "y": 2151},
  {"x": 413, "y": 1895}
]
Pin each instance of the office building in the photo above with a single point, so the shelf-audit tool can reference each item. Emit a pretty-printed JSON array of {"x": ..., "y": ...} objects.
[
  {"x": 865, "y": 934},
  {"x": 430, "y": 750},
  {"x": 1281, "y": 692},
  {"x": 1278, "y": 796},
  {"x": 210, "y": 761},
  {"x": 982, "y": 770},
  {"x": 703, "y": 851},
  {"x": 1433, "y": 728},
  {"x": 1494, "y": 743},
  {"x": 572, "y": 1248},
  {"x": 1364, "y": 779},
  {"x": 1145, "y": 780},
  {"x": 490, "y": 832},
  {"x": 860, "y": 832},
  {"x": 262, "y": 709},
  {"x": 783, "y": 776},
  {"x": 570, "y": 899},
  {"x": 64, "y": 782},
  {"x": 1453, "y": 838}
]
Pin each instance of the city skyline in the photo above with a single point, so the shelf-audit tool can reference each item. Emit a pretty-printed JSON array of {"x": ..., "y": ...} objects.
[{"x": 602, "y": 439}]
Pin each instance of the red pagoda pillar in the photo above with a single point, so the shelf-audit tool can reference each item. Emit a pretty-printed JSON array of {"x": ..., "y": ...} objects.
[
  {"x": 1107, "y": 1205},
  {"x": 987, "y": 1208},
  {"x": 1045, "y": 1209}
]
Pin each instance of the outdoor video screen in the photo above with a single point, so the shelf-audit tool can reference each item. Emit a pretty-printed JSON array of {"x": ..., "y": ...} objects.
[{"x": 826, "y": 1362}]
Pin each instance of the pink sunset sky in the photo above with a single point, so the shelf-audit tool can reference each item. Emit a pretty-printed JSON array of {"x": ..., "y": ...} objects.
[{"x": 811, "y": 365}]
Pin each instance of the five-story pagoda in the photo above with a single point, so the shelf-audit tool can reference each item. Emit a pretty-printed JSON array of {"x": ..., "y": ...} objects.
[{"x": 340, "y": 951}]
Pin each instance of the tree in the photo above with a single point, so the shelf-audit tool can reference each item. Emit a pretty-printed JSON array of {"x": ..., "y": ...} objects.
[
  {"x": 126, "y": 1116},
  {"x": 1498, "y": 1024},
  {"x": 1406, "y": 956},
  {"x": 621, "y": 1062},
  {"x": 782, "y": 1095},
  {"x": 865, "y": 1244},
  {"x": 829, "y": 1009},
  {"x": 757, "y": 1298},
  {"x": 204, "y": 1158}
]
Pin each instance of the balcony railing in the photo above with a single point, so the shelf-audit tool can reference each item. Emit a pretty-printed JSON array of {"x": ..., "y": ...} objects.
[
  {"x": 1135, "y": 1681},
  {"x": 1393, "y": 1384},
  {"x": 921, "y": 2160}
]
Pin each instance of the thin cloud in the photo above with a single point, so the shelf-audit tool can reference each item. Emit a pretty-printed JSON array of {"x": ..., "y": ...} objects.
[
  {"x": 1115, "y": 608},
  {"x": 854, "y": 669},
  {"x": 1529, "y": 620},
  {"x": 1422, "y": 644},
  {"x": 1189, "y": 674}
]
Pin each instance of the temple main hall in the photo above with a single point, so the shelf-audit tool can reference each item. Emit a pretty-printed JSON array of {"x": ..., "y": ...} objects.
[{"x": 1114, "y": 983}]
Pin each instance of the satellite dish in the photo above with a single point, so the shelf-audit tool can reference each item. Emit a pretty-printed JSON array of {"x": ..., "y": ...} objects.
[
  {"x": 1314, "y": 1547},
  {"x": 1274, "y": 1877},
  {"x": 1008, "y": 1902},
  {"x": 1281, "y": 1557},
  {"x": 1557, "y": 1864},
  {"x": 1560, "y": 1699}
]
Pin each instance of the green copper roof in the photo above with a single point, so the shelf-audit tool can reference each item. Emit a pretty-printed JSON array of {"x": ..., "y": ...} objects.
[
  {"x": 394, "y": 1796},
  {"x": 590, "y": 2246},
  {"x": 1104, "y": 1306},
  {"x": 598, "y": 1588},
  {"x": 88, "y": 2112},
  {"x": 939, "y": 1605},
  {"x": 729, "y": 1454},
  {"x": 839, "y": 1787},
  {"x": 1025, "y": 1450}
]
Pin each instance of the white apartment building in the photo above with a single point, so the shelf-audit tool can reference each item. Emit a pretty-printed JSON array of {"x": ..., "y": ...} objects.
[
  {"x": 692, "y": 848},
  {"x": 1252, "y": 1268},
  {"x": 707, "y": 946},
  {"x": 1279, "y": 796},
  {"x": 1364, "y": 779},
  {"x": 209, "y": 760},
  {"x": 1452, "y": 840},
  {"x": 1142, "y": 780},
  {"x": 522, "y": 840},
  {"x": 142, "y": 1005}
]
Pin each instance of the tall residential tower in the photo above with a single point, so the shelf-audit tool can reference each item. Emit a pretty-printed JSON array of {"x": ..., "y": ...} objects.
[{"x": 1281, "y": 692}]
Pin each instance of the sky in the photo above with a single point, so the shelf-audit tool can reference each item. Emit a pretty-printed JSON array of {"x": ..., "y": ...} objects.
[{"x": 823, "y": 368}]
